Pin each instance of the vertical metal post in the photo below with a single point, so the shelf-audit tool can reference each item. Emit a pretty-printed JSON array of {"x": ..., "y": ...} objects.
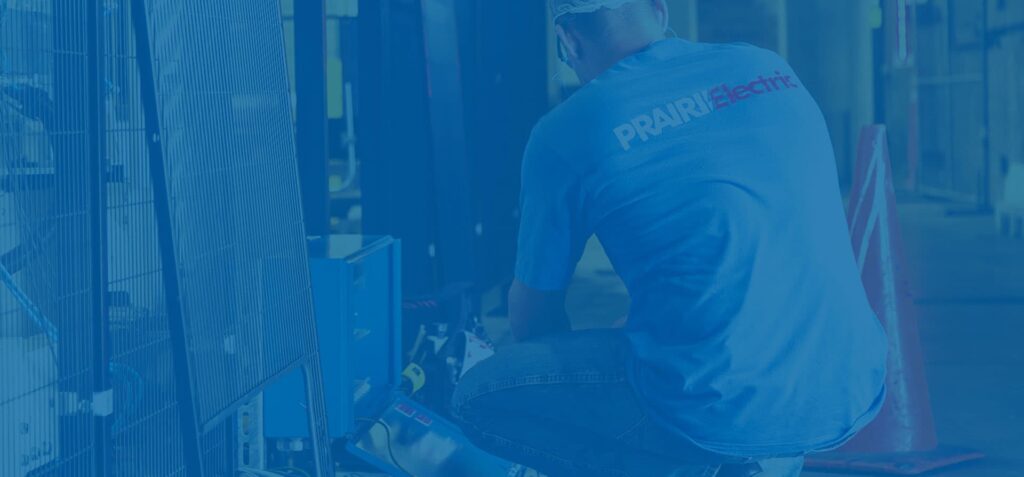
[
  {"x": 98, "y": 229},
  {"x": 311, "y": 113},
  {"x": 316, "y": 415},
  {"x": 311, "y": 158},
  {"x": 985, "y": 188},
  {"x": 452, "y": 195},
  {"x": 68, "y": 130},
  {"x": 879, "y": 61},
  {"x": 189, "y": 419}
]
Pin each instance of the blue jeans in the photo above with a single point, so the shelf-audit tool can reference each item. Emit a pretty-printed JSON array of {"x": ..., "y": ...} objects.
[{"x": 563, "y": 405}]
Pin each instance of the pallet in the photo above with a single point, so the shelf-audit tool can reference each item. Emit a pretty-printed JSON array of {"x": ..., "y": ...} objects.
[{"x": 1010, "y": 220}]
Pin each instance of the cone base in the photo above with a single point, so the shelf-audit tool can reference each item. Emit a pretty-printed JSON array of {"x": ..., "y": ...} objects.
[{"x": 902, "y": 463}]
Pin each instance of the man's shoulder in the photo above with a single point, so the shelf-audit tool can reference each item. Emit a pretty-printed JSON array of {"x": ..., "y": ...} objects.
[
  {"x": 593, "y": 107},
  {"x": 577, "y": 133},
  {"x": 748, "y": 51},
  {"x": 584, "y": 102},
  {"x": 566, "y": 121}
]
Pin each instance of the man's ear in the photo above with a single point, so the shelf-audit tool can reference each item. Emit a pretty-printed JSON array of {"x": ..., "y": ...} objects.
[
  {"x": 570, "y": 42},
  {"x": 661, "y": 9}
]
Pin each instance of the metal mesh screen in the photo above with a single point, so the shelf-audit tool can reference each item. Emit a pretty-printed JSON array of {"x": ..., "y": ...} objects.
[
  {"x": 147, "y": 438},
  {"x": 145, "y": 430},
  {"x": 226, "y": 126},
  {"x": 46, "y": 337}
]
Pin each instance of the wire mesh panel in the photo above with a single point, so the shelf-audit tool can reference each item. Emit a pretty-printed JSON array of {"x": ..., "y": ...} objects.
[
  {"x": 46, "y": 337},
  {"x": 226, "y": 132},
  {"x": 146, "y": 428},
  {"x": 145, "y": 431}
]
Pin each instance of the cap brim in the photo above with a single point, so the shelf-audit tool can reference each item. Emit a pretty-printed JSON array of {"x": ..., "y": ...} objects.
[{"x": 573, "y": 7}]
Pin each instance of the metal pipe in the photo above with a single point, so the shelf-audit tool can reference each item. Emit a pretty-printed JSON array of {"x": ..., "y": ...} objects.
[
  {"x": 350, "y": 139},
  {"x": 97, "y": 189},
  {"x": 985, "y": 189}
]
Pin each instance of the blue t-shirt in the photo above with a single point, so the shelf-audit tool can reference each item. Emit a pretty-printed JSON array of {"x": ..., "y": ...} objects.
[{"x": 708, "y": 175}]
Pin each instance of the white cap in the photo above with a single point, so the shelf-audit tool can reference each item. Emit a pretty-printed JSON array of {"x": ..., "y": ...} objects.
[{"x": 560, "y": 8}]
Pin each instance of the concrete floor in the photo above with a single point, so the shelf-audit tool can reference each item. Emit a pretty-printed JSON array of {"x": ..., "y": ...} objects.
[{"x": 968, "y": 285}]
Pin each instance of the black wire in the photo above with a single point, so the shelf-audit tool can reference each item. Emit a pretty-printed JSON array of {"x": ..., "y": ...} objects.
[{"x": 391, "y": 452}]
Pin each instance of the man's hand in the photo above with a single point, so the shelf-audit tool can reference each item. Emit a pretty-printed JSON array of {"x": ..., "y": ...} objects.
[{"x": 535, "y": 313}]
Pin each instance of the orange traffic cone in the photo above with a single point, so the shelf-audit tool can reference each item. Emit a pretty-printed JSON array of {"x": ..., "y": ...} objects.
[{"x": 902, "y": 439}]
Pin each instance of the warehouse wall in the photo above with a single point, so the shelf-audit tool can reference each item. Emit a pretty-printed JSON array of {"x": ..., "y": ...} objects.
[
  {"x": 758, "y": 22},
  {"x": 950, "y": 60},
  {"x": 1006, "y": 19},
  {"x": 683, "y": 18},
  {"x": 830, "y": 47}
]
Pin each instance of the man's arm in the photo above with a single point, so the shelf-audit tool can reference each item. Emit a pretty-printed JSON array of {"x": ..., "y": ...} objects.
[
  {"x": 552, "y": 236},
  {"x": 534, "y": 313}
]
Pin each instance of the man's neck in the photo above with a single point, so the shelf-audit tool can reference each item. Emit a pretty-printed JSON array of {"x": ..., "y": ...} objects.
[{"x": 621, "y": 51}]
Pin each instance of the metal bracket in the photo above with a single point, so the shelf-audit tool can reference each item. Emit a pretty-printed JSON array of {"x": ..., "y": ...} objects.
[{"x": 103, "y": 403}]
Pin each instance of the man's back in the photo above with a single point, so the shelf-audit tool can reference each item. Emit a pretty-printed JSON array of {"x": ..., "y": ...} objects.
[{"x": 707, "y": 173}]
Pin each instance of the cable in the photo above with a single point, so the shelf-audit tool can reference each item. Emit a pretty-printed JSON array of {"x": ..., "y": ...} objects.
[
  {"x": 136, "y": 386},
  {"x": 391, "y": 452},
  {"x": 26, "y": 303},
  {"x": 32, "y": 310}
]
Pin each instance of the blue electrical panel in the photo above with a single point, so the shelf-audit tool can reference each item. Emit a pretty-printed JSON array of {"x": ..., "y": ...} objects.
[{"x": 357, "y": 299}]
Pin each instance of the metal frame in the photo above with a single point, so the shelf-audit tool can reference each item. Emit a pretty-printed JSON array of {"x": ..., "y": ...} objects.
[
  {"x": 392, "y": 86},
  {"x": 509, "y": 80},
  {"x": 415, "y": 90},
  {"x": 311, "y": 113},
  {"x": 98, "y": 177},
  {"x": 453, "y": 199}
]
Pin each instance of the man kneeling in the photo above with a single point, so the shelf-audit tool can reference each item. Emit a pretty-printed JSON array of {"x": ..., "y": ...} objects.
[{"x": 707, "y": 173}]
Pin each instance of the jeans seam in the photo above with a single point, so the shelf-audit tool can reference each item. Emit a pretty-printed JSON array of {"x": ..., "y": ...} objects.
[{"x": 640, "y": 423}]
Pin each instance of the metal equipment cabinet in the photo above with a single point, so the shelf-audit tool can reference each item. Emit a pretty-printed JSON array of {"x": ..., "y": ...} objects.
[{"x": 357, "y": 296}]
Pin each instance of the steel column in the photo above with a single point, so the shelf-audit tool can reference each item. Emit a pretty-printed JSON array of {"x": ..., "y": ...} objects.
[
  {"x": 98, "y": 231},
  {"x": 311, "y": 113}
]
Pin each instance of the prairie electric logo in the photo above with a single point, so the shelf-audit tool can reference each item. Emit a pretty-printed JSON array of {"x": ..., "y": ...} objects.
[{"x": 680, "y": 112}]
